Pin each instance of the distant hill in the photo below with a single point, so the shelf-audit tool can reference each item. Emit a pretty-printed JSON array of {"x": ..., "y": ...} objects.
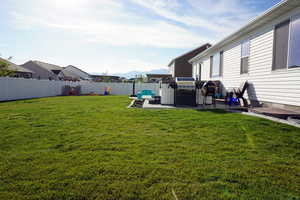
[{"x": 132, "y": 74}]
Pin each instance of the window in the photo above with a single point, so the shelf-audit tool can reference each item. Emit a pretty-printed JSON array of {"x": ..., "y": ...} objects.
[
  {"x": 281, "y": 40},
  {"x": 221, "y": 62},
  {"x": 199, "y": 71},
  {"x": 245, "y": 56},
  {"x": 294, "y": 47},
  {"x": 211, "y": 66},
  {"x": 215, "y": 64}
]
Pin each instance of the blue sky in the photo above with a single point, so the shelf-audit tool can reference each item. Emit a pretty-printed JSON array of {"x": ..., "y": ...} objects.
[{"x": 117, "y": 36}]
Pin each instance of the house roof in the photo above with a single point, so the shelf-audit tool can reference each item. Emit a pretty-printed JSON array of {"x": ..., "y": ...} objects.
[
  {"x": 71, "y": 66},
  {"x": 106, "y": 76},
  {"x": 263, "y": 19},
  {"x": 69, "y": 74},
  {"x": 14, "y": 67},
  {"x": 76, "y": 72},
  {"x": 48, "y": 66},
  {"x": 192, "y": 51}
]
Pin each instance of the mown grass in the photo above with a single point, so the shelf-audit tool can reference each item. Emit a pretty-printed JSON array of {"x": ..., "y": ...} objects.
[{"x": 96, "y": 148}]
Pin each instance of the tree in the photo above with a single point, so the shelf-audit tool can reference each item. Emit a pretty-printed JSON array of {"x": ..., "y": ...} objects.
[
  {"x": 4, "y": 70},
  {"x": 106, "y": 79},
  {"x": 140, "y": 78}
]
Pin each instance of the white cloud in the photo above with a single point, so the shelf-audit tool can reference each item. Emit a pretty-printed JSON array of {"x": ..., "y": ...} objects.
[
  {"x": 159, "y": 34},
  {"x": 133, "y": 65},
  {"x": 121, "y": 66},
  {"x": 219, "y": 16},
  {"x": 112, "y": 22},
  {"x": 107, "y": 28}
]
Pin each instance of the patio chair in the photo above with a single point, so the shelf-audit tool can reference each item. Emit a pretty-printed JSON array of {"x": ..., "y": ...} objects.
[
  {"x": 209, "y": 90},
  {"x": 200, "y": 84},
  {"x": 239, "y": 93}
]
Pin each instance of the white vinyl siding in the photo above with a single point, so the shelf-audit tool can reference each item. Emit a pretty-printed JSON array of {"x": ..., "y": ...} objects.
[
  {"x": 281, "y": 86},
  {"x": 172, "y": 70}
]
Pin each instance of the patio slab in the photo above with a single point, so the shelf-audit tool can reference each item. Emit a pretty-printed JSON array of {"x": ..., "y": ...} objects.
[
  {"x": 275, "y": 112},
  {"x": 147, "y": 105},
  {"x": 275, "y": 119}
]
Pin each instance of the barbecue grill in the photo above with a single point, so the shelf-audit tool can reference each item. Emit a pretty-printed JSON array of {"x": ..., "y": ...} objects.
[{"x": 185, "y": 91}]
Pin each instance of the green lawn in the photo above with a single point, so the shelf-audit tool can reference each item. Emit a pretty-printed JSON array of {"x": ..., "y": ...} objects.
[{"x": 96, "y": 148}]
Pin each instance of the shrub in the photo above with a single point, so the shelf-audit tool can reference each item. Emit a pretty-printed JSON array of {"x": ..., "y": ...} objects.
[{"x": 4, "y": 70}]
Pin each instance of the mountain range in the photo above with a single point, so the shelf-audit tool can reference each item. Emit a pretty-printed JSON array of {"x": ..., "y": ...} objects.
[{"x": 132, "y": 74}]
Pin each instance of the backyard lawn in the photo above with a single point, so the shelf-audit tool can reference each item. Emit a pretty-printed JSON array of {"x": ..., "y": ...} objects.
[{"x": 96, "y": 148}]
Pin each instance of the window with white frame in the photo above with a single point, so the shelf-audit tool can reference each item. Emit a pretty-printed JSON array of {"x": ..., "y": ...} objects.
[
  {"x": 294, "y": 43},
  {"x": 221, "y": 63},
  {"x": 286, "y": 52},
  {"x": 245, "y": 53},
  {"x": 215, "y": 65},
  {"x": 280, "y": 49}
]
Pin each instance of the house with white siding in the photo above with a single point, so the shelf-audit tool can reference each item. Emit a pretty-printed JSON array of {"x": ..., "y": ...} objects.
[{"x": 265, "y": 52}]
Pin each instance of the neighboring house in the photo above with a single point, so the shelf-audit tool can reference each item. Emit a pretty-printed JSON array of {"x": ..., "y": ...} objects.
[
  {"x": 155, "y": 78},
  {"x": 180, "y": 66},
  {"x": 105, "y": 78},
  {"x": 67, "y": 75},
  {"x": 19, "y": 72},
  {"x": 265, "y": 52},
  {"x": 123, "y": 79},
  {"x": 44, "y": 70},
  {"x": 74, "y": 73}
]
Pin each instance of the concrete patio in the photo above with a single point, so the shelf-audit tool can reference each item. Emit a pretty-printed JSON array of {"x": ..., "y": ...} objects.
[
  {"x": 218, "y": 105},
  {"x": 273, "y": 114}
]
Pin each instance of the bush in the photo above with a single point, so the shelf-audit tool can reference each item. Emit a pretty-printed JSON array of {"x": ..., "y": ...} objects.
[{"x": 4, "y": 70}]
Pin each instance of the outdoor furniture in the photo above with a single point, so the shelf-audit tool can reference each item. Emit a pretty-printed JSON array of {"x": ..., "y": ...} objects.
[
  {"x": 218, "y": 89},
  {"x": 71, "y": 91},
  {"x": 156, "y": 100},
  {"x": 200, "y": 84},
  {"x": 238, "y": 93},
  {"x": 149, "y": 94},
  {"x": 208, "y": 91}
]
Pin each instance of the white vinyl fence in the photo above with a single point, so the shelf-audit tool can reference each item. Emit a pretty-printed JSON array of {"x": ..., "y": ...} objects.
[{"x": 18, "y": 88}]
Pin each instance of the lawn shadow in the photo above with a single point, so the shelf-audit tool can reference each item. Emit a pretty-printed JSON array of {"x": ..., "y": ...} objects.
[{"x": 216, "y": 111}]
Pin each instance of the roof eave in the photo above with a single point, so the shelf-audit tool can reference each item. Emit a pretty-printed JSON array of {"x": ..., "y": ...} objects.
[
  {"x": 202, "y": 46},
  {"x": 171, "y": 63},
  {"x": 255, "y": 23}
]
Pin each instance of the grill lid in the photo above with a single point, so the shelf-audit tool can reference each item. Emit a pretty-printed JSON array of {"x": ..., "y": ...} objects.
[{"x": 188, "y": 81}]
